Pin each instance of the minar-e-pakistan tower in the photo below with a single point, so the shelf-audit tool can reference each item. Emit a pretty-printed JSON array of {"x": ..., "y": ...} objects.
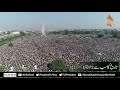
[{"x": 43, "y": 31}]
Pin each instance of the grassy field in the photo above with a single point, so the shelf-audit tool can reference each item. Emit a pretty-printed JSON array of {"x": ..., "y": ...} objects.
[
  {"x": 11, "y": 38},
  {"x": 2, "y": 69}
]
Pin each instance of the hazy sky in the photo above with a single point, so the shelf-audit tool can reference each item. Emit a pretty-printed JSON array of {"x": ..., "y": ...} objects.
[{"x": 82, "y": 19}]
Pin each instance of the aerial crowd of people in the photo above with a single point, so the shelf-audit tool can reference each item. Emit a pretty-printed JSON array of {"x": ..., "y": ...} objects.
[{"x": 34, "y": 52}]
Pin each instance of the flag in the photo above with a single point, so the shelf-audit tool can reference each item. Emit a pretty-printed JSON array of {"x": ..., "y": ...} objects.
[{"x": 109, "y": 20}]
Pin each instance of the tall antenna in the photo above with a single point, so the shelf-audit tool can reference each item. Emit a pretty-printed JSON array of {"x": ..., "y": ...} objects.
[{"x": 43, "y": 31}]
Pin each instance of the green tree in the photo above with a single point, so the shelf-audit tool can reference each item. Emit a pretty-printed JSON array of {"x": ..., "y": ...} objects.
[
  {"x": 66, "y": 32},
  {"x": 100, "y": 35},
  {"x": 114, "y": 34},
  {"x": 22, "y": 33},
  {"x": 106, "y": 32},
  {"x": 2, "y": 69},
  {"x": 57, "y": 65}
]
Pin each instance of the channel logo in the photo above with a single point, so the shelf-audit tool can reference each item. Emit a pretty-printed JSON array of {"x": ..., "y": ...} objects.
[{"x": 10, "y": 75}]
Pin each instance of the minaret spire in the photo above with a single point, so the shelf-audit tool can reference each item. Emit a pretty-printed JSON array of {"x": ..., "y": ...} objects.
[{"x": 43, "y": 30}]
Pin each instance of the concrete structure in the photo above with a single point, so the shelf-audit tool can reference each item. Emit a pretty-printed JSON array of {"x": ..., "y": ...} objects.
[
  {"x": 43, "y": 31},
  {"x": 15, "y": 33}
]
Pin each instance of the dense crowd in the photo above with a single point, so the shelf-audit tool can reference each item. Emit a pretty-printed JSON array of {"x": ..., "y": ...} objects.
[{"x": 35, "y": 52}]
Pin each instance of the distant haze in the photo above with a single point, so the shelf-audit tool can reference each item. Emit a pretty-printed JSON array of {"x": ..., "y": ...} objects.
[{"x": 56, "y": 20}]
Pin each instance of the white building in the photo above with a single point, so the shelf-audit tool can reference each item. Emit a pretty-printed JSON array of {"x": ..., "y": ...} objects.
[{"x": 15, "y": 33}]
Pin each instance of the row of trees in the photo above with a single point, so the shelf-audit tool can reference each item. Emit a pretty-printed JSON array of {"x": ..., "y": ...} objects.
[
  {"x": 99, "y": 34},
  {"x": 15, "y": 37},
  {"x": 75, "y": 32},
  {"x": 115, "y": 34},
  {"x": 11, "y": 38}
]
